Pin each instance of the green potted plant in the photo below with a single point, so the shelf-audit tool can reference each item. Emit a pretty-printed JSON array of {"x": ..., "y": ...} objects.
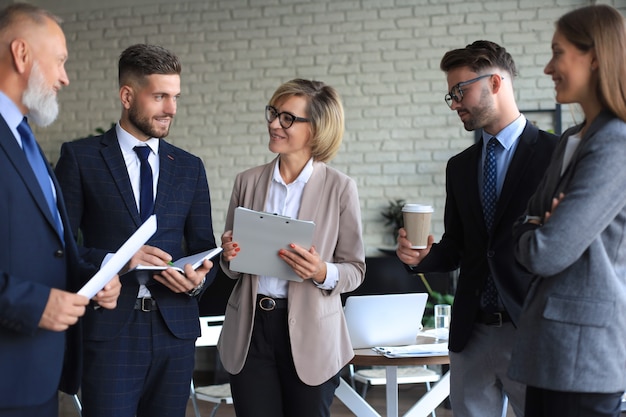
[
  {"x": 434, "y": 298},
  {"x": 393, "y": 217}
]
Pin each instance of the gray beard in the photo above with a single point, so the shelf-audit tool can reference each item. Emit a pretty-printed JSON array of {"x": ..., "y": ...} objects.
[{"x": 40, "y": 101}]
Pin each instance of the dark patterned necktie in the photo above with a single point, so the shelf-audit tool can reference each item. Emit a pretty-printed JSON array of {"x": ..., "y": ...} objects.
[
  {"x": 38, "y": 164},
  {"x": 489, "y": 298},
  {"x": 490, "y": 179},
  {"x": 146, "y": 199}
]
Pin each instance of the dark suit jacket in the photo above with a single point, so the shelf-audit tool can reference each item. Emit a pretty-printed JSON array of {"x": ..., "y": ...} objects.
[
  {"x": 100, "y": 203},
  {"x": 466, "y": 242},
  {"x": 32, "y": 261}
]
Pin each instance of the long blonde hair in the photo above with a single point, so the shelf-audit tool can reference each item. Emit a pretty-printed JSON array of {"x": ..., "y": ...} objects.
[{"x": 603, "y": 29}]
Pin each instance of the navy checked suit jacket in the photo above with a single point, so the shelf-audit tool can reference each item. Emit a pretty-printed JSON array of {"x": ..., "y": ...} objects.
[
  {"x": 32, "y": 261},
  {"x": 467, "y": 244},
  {"x": 100, "y": 203}
]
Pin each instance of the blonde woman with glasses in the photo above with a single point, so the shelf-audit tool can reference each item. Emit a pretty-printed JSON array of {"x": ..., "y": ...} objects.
[{"x": 284, "y": 342}]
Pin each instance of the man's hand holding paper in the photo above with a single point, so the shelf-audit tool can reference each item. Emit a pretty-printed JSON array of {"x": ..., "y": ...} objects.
[
  {"x": 170, "y": 277},
  {"x": 191, "y": 279}
]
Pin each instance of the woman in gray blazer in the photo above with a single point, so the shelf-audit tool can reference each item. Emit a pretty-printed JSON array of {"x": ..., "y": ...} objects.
[
  {"x": 571, "y": 349},
  {"x": 284, "y": 342}
]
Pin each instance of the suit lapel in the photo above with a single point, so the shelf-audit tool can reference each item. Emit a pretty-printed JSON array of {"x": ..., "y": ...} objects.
[
  {"x": 312, "y": 190},
  {"x": 167, "y": 174},
  {"x": 262, "y": 186},
  {"x": 516, "y": 171},
  {"x": 470, "y": 184},
  {"x": 112, "y": 155},
  {"x": 564, "y": 179},
  {"x": 22, "y": 166}
]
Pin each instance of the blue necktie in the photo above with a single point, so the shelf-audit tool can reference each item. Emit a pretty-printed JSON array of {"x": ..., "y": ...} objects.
[
  {"x": 489, "y": 298},
  {"x": 38, "y": 164},
  {"x": 146, "y": 199}
]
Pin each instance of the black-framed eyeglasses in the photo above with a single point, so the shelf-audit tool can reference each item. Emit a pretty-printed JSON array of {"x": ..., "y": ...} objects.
[
  {"x": 456, "y": 92},
  {"x": 284, "y": 118}
]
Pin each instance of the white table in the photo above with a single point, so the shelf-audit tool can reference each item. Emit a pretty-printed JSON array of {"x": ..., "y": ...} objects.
[{"x": 422, "y": 408}]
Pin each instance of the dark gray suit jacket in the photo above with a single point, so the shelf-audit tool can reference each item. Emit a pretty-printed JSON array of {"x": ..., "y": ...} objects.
[{"x": 572, "y": 331}]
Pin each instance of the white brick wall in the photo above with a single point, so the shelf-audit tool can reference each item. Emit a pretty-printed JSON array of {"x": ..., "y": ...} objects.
[{"x": 381, "y": 55}]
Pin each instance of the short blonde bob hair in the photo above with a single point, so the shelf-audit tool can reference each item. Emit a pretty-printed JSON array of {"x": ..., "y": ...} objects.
[{"x": 324, "y": 110}]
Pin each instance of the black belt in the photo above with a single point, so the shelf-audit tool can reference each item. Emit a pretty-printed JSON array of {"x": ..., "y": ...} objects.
[
  {"x": 146, "y": 304},
  {"x": 268, "y": 303},
  {"x": 493, "y": 319}
]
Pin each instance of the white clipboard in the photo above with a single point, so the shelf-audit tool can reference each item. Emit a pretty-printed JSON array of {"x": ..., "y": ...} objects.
[{"x": 261, "y": 235}]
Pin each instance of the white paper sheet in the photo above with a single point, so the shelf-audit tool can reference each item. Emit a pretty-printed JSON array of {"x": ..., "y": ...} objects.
[
  {"x": 120, "y": 258},
  {"x": 196, "y": 262},
  {"x": 427, "y": 349}
]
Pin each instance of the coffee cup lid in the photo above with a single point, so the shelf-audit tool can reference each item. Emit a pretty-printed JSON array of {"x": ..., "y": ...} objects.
[{"x": 417, "y": 208}]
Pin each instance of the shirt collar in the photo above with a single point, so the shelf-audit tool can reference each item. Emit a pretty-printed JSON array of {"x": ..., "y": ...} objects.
[
  {"x": 304, "y": 176},
  {"x": 128, "y": 142},
  {"x": 509, "y": 135},
  {"x": 10, "y": 112}
]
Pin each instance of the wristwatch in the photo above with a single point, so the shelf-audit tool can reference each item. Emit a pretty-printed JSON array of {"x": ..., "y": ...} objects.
[
  {"x": 196, "y": 291},
  {"x": 533, "y": 219}
]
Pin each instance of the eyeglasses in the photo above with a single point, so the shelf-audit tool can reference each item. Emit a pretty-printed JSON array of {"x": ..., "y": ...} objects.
[
  {"x": 285, "y": 119},
  {"x": 456, "y": 93}
]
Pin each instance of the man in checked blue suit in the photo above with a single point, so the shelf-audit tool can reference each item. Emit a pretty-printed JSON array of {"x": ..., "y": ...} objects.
[
  {"x": 139, "y": 358},
  {"x": 39, "y": 265}
]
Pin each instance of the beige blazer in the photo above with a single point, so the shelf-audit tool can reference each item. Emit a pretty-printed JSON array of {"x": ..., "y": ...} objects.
[{"x": 320, "y": 343}]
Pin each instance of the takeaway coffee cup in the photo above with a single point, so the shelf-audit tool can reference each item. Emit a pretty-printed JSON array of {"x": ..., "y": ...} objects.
[{"x": 417, "y": 224}]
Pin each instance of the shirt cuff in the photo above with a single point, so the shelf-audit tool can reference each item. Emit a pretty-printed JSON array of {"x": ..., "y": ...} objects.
[{"x": 332, "y": 277}]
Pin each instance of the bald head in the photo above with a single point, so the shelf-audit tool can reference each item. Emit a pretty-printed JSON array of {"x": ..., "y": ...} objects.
[{"x": 18, "y": 18}]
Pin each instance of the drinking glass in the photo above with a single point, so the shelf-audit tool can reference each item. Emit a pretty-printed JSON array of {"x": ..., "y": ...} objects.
[{"x": 442, "y": 321}]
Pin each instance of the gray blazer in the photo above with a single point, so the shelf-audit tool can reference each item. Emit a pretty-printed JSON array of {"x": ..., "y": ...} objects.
[
  {"x": 317, "y": 330},
  {"x": 572, "y": 333}
]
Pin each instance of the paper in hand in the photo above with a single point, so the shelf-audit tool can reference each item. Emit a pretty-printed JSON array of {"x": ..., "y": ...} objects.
[
  {"x": 196, "y": 262},
  {"x": 120, "y": 258}
]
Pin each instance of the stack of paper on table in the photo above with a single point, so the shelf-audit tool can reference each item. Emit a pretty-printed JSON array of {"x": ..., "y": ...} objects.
[{"x": 430, "y": 349}]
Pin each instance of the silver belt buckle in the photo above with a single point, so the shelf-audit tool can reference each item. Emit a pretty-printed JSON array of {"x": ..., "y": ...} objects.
[
  {"x": 143, "y": 304},
  {"x": 499, "y": 323},
  {"x": 271, "y": 304}
]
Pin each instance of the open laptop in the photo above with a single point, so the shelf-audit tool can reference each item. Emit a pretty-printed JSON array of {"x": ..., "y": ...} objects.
[{"x": 385, "y": 319}]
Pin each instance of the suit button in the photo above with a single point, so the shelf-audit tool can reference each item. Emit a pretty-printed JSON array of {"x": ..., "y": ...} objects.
[
  {"x": 58, "y": 253},
  {"x": 491, "y": 253}
]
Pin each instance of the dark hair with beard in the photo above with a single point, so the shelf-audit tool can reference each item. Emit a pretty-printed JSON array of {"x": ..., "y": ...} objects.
[
  {"x": 140, "y": 60},
  {"x": 479, "y": 56}
]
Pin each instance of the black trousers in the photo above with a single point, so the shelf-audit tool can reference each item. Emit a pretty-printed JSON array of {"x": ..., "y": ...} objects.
[
  {"x": 547, "y": 403},
  {"x": 268, "y": 385}
]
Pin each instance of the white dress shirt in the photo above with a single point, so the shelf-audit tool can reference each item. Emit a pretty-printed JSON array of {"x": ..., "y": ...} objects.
[
  {"x": 285, "y": 199},
  {"x": 131, "y": 159}
]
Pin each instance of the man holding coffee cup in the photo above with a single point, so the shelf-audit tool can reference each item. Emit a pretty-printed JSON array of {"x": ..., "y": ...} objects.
[{"x": 487, "y": 188}]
